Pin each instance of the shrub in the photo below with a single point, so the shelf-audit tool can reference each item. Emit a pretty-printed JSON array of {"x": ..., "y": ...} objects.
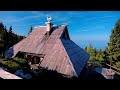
[
  {"x": 20, "y": 60},
  {"x": 10, "y": 64}
]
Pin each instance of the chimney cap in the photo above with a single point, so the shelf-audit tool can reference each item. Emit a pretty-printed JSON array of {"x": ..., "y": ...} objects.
[{"x": 49, "y": 19}]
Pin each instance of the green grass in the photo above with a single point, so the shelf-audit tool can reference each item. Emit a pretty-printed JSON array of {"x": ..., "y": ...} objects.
[
  {"x": 13, "y": 64},
  {"x": 20, "y": 60},
  {"x": 10, "y": 64}
]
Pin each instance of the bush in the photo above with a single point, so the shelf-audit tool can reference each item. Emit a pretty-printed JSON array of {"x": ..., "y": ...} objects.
[
  {"x": 20, "y": 60},
  {"x": 11, "y": 64}
]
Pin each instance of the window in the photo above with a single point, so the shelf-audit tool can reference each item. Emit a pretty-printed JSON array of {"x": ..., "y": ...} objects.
[{"x": 36, "y": 60}]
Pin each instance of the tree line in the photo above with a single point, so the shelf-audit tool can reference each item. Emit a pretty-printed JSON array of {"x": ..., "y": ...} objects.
[
  {"x": 96, "y": 55},
  {"x": 7, "y": 38},
  {"x": 111, "y": 54}
]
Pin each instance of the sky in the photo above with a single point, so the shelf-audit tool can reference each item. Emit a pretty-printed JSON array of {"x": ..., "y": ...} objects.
[{"x": 85, "y": 27}]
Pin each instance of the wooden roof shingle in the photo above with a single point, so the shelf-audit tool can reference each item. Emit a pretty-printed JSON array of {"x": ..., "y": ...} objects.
[{"x": 61, "y": 54}]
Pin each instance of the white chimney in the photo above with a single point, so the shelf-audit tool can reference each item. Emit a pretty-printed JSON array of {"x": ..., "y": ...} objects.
[{"x": 49, "y": 19}]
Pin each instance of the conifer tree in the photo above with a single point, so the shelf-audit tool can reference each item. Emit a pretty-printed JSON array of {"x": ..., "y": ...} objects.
[
  {"x": 7, "y": 38},
  {"x": 1, "y": 26},
  {"x": 11, "y": 38},
  {"x": 5, "y": 34},
  {"x": 3, "y": 41},
  {"x": 10, "y": 29},
  {"x": 113, "y": 48},
  {"x": 85, "y": 48}
]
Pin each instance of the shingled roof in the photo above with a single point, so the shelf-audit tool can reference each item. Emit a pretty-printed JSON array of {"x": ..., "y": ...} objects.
[{"x": 61, "y": 53}]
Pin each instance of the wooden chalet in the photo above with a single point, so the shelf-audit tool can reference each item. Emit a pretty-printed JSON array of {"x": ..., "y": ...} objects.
[{"x": 50, "y": 47}]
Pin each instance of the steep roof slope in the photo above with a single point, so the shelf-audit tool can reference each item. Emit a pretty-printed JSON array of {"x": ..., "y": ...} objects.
[
  {"x": 61, "y": 54},
  {"x": 28, "y": 44}
]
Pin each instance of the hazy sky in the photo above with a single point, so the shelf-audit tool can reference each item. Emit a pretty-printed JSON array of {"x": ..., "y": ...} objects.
[{"x": 84, "y": 26}]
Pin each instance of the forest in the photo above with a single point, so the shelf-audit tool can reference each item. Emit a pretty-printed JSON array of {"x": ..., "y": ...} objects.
[
  {"x": 111, "y": 54},
  {"x": 8, "y": 38}
]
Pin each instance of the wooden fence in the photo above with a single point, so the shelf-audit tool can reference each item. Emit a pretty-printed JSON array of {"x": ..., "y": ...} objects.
[{"x": 117, "y": 71}]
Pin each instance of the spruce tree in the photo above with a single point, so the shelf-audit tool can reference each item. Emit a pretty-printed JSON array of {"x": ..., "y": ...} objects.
[
  {"x": 1, "y": 26},
  {"x": 11, "y": 38},
  {"x": 7, "y": 38},
  {"x": 85, "y": 48},
  {"x": 5, "y": 34},
  {"x": 113, "y": 48},
  {"x": 91, "y": 51},
  {"x": 10, "y": 29},
  {"x": 3, "y": 41}
]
